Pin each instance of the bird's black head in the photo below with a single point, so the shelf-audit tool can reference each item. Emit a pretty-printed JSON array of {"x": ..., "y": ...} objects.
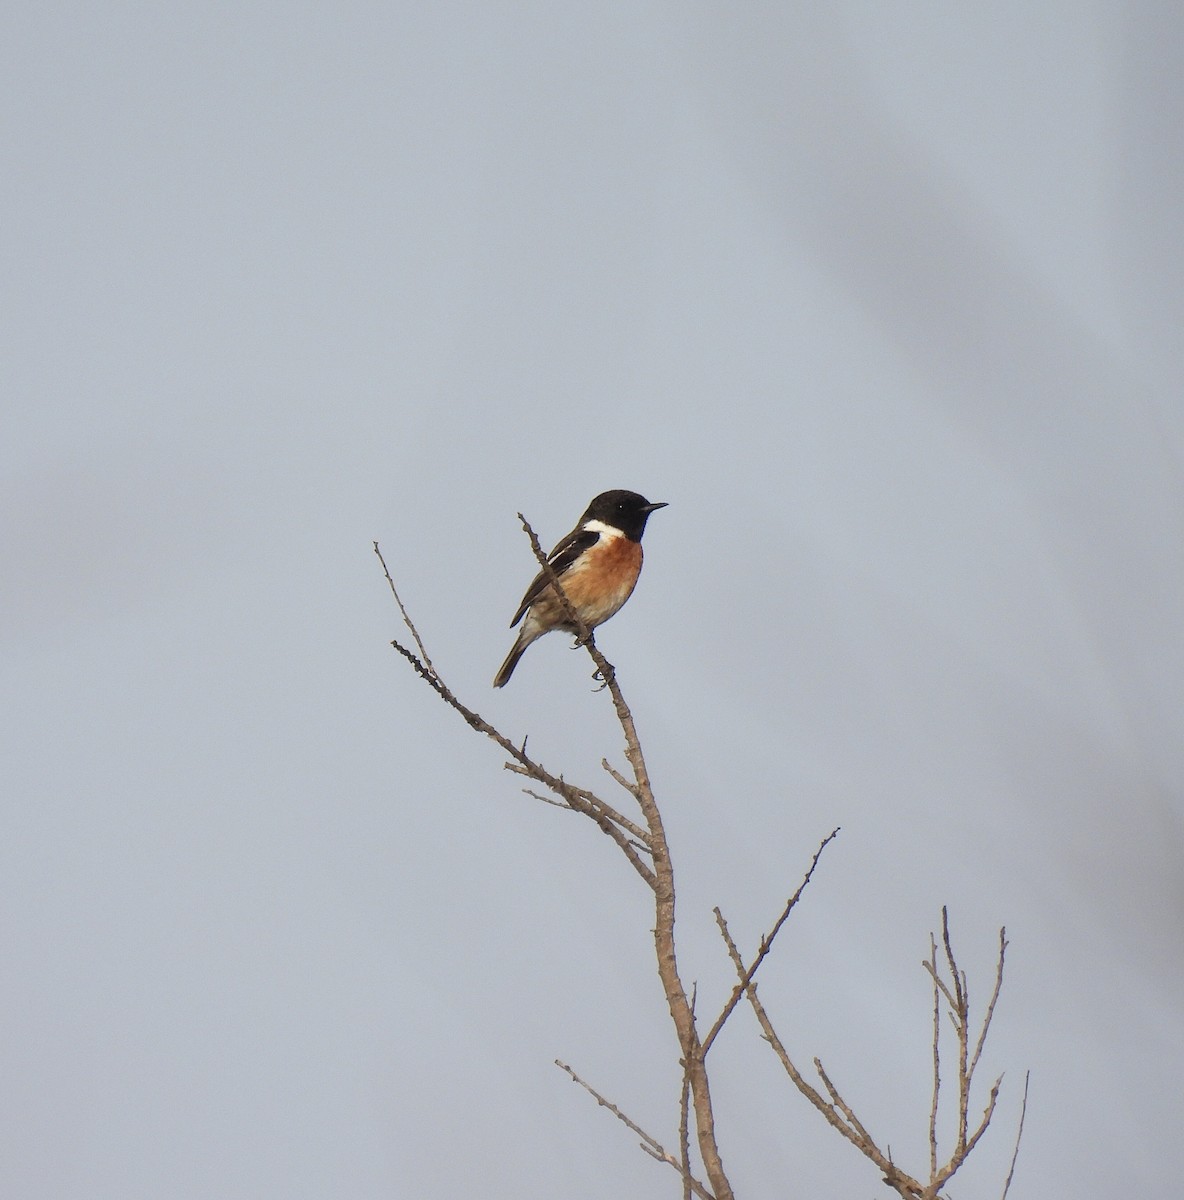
[{"x": 626, "y": 511}]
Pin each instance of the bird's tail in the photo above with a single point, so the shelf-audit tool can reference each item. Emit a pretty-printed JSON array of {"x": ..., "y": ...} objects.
[{"x": 507, "y": 668}]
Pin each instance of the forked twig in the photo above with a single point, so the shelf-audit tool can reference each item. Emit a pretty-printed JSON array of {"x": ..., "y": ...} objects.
[
  {"x": 956, "y": 993},
  {"x": 842, "y": 1117}
]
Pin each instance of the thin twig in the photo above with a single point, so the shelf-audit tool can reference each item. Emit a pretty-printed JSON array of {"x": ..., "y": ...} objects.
[
  {"x": 932, "y": 965},
  {"x": 843, "y": 1106},
  {"x": 406, "y": 617},
  {"x": 684, "y": 1115},
  {"x": 766, "y": 944},
  {"x": 944, "y": 988},
  {"x": 549, "y": 800},
  {"x": 1018, "y": 1136},
  {"x": 961, "y": 1019},
  {"x": 990, "y": 1013},
  {"x": 963, "y": 1152},
  {"x": 631, "y": 788},
  {"x": 595, "y": 801},
  {"x": 649, "y": 1144},
  {"x": 988, "y": 1113}
]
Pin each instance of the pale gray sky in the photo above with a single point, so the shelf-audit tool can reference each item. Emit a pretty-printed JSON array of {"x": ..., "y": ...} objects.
[{"x": 884, "y": 300}]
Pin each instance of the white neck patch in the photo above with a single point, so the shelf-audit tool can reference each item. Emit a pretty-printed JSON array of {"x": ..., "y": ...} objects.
[{"x": 605, "y": 531}]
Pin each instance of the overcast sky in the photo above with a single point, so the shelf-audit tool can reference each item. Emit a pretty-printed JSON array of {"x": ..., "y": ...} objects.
[{"x": 884, "y": 300}]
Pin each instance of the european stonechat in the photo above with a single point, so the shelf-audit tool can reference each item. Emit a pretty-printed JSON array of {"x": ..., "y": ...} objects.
[{"x": 597, "y": 563}]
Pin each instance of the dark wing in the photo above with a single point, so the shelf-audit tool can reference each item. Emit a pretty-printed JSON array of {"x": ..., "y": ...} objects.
[{"x": 560, "y": 558}]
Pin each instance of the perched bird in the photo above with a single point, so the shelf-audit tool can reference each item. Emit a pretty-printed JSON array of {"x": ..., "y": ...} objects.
[{"x": 597, "y": 563}]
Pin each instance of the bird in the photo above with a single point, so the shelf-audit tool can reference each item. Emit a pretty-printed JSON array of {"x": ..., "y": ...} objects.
[{"x": 597, "y": 564}]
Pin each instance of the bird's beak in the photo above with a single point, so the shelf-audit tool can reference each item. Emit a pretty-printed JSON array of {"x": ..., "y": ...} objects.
[{"x": 649, "y": 508}]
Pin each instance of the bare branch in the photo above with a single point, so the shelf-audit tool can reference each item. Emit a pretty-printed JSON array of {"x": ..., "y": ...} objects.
[
  {"x": 943, "y": 987},
  {"x": 932, "y": 967},
  {"x": 565, "y": 807},
  {"x": 990, "y": 1013},
  {"x": 959, "y": 1000},
  {"x": 608, "y": 674},
  {"x": 549, "y": 800},
  {"x": 663, "y": 884},
  {"x": 684, "y": 1134},
  {"x": 960, "y": 1015},
  {"x": 957, "y": 996},
  {"x": 629, "y": 837},
  {"x": 840, "y": 1115},
  {"x": 631, "y": 788},
  {"x": 583, "y": 634},
  {"x": 649, "y": 1144},
  {"x": 962, "y": 1151},
  {"x": 580, "y": 799},
  {"x": 684, "y": 1115},
  {"x": 644, "y": 845},
  {"x": 843, "y": 1106},
  {"x": 1018, "y": 1137},
  {"x": 601, "y": 806},
  {"x": 766, "y": 944},
  {"x": 853, "y": 1131},
  {"x": 629, "y": 847},
  {"x": 406, "y": 616},
  {"x": 988, "y": 1113}
]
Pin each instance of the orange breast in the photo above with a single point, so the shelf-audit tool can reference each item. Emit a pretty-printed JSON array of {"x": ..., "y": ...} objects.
[{"x": 599, "y": 584}]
